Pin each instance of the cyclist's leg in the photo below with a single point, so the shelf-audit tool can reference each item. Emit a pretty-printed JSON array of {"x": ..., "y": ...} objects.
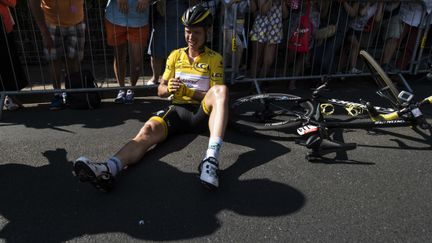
[
  {"x": 101, "y": 175},
  {"x": 153, "y": 132},
  {"x": 216, "y": 106}
]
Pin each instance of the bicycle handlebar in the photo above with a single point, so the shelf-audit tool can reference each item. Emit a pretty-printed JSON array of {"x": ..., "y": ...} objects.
[{"x": 413, "y": 109}]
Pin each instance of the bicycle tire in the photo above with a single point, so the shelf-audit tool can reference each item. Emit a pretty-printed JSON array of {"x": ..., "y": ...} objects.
[
  {"x": 270, "y": 111},
  {"x": 386, "y": 85}
]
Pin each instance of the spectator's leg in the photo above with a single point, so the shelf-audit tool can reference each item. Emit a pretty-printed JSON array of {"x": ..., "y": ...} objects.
[
  {"x": 256, "y": 60},
  {"x": 55, "y": 71},
  {"x": 120, "y": 53},
  {"x": 73, "y": 65},
  {"x": 408, "y": 50},
  {"x": 156, "y": 65},
  {"x": 136, "y": 56},
  {"x": 269, "y": 56},
  {"x": 389, "y": 49},
  {"x": 353, "y": 52},
  {"x": 298, "y": 68}
]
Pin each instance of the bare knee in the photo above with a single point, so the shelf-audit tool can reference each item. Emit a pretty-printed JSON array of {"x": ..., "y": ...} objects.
[
  {"x": 150, "y": 131},
  {"x": 220, "y": 91}
]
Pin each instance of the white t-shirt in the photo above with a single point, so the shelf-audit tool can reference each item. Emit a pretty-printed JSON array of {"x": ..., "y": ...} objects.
[
  {"x": 360, "y": 22},
  {"x": 411, "y": 13}
]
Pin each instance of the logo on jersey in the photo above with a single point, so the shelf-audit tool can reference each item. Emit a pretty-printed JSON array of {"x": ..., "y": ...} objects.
[
  {"x": 217, "y": 75},
  {"x": 201, "y": 67}
]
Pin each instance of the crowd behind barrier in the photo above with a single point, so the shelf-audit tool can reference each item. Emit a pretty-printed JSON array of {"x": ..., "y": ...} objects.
[{"x": 259, "y": 39}]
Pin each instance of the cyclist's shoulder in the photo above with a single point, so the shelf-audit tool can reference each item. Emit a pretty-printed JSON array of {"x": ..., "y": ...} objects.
[
  {"x": 213, "y": 54},
  {"x": 176, "y": 54},
  {"x": 213, "y": 57}
]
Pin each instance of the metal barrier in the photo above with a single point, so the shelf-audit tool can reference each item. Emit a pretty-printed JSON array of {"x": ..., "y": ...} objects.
[
  {"x": 329, "y": 47},
  {"x": 231, "y": 36}
]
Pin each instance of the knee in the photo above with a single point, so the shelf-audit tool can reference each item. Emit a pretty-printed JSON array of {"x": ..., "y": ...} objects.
[
  {"x": 146, "y": 131},
  {"x": 220, "y": 91}
]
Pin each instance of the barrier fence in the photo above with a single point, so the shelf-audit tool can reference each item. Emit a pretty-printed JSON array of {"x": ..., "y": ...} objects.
[{"x": 258, "y": 44}]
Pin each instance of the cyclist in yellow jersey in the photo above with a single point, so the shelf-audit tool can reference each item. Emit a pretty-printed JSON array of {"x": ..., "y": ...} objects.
[{"x": 193, "y": 78}]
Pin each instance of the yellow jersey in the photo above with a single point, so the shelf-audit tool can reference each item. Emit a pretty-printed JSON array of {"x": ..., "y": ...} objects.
[{"x": 205, "y": 71}]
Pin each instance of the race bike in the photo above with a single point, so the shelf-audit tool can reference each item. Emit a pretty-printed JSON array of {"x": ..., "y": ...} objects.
[{"x": 308, "y": 116}]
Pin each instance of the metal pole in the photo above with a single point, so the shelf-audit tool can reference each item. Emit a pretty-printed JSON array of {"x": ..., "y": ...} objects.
[
  {"x": 417, "y": 44},
  {"x": 428, "y": 22}
]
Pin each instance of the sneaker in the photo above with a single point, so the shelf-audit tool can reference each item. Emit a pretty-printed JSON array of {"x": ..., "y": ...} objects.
[
  {"x": 56, "y": 103},
  {"x": 97, "y": 174},
  {"x": 120, "y": 99},
  {"x": 10, "y": 105},
  {"x": 151, "y": 82},
  {"x": 129, "y": 99},
  {"x": 209, "y": 173}
]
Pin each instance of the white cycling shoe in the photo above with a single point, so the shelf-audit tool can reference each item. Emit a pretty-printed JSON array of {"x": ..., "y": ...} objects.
[
  {"x": 97, "y": 174},
  {"x": 209, "y": 173}
]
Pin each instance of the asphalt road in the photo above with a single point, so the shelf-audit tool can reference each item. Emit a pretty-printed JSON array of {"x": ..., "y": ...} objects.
[{"x": 380, "y": 192}]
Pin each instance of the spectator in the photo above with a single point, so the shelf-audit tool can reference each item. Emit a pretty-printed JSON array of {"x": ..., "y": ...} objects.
[
  {"x": 194, "y": 78},
  {"x": 410, "y": 15},
  {"x": 127, "y": 27},
  {"x": 61, "y": 24},
  {"x": 336, "y": 14},
  {"x": 167, "y": 34},
  {"x": 234, "y": 29},
  {"x": 355, "y": 32},
  {"x": 297, "y": 10},
  {"x": 266, "y": 34},
  {"x": 12, "y": 76},
  {"x": 213, "y": 6},
  {"x": 390, "y": 32}
]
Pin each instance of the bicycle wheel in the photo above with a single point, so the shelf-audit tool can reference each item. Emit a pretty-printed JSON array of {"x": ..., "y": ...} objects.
[
  {"x": 385, "y": 84},
  {"x": 270, "y": 111}
]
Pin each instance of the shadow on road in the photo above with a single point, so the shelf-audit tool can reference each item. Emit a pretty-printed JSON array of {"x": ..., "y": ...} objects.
[
  {"x": 152, "y": 201},
  {"x": 109, "y": 115}
]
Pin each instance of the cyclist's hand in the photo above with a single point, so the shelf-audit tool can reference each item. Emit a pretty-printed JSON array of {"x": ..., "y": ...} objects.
[
  {"x": 185, "y": 91},
  {"x": 123, "y": 6},
  {"x": 174, "y": 85},
  {"x": 141, "y": 5}
]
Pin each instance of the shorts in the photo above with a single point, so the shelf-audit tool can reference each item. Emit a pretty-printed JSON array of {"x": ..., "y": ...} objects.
[
  {"x": 183, "y": 118},
  {"x": 118, "y": 35},
  {"x": 68, "y": 42},
  {"x": 391, "y": 28}
]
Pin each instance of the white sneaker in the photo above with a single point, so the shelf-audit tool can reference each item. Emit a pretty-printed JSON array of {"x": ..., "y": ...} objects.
[
  {"x": 10, "y": 105},
  {"x": 129, "y": 98},
  {"x": 97, "y": 174},
  {"x": 151, "y": 82},
  {"x": 209, "y": 173},
  {"x": 120, "y": 99}
]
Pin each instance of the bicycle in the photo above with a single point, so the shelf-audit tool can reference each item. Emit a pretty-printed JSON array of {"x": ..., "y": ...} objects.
[{"x": 307, "y": 116}]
